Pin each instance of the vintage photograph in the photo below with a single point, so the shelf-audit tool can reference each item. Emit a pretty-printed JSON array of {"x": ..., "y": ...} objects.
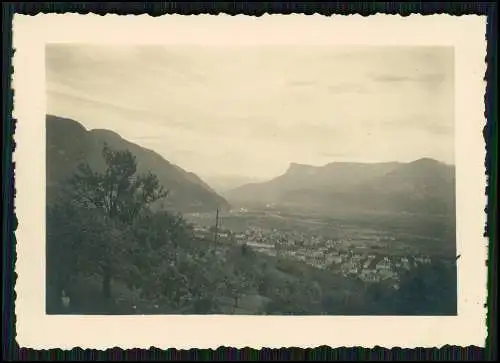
[
  {"x": 319, "y": 181},
  {"x": 250, "y": 180}
]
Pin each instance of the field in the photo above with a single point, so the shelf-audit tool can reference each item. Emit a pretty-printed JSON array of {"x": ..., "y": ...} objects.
[{"x": 394, "y": 233}]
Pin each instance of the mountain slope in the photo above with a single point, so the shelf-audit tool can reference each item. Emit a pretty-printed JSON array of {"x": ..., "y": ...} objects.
[
  {"x": 69, "y": 143},
  {"x": 224, "y": 183},
  {"x": 424, "y": 186}
]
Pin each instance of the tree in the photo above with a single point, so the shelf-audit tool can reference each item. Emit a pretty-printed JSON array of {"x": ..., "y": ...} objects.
[
  {"x": 61, "y": 261},
  {"x": 118, "y": 191},
  {"x": 377, "y": 299},
  {"x": 429, "y": 289},
  {"x": 82, "y": 243},
  {"x": 118, "y": 196}
]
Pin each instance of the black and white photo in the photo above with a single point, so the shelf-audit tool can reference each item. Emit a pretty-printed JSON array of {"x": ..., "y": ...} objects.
[
  {"x": 251, "y": 180},
  {"x": 314, "y": 186}
]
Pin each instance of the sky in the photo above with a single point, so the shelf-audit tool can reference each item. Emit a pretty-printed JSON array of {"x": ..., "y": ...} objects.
[{"x": 252, "y": 110}]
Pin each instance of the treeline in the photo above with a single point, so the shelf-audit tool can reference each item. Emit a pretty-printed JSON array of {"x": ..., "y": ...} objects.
[{"x": 111, "y": 252}]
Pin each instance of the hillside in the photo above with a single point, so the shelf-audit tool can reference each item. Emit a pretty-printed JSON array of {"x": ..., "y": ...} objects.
[
  {"x": 424, "y": 186},
  {"x": 224, "y": 183},
  {"x": 69, "y": 143}
]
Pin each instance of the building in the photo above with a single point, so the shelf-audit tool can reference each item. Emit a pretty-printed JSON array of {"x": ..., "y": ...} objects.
[
  {"x": 370, "y": 276},
  {"x": 383, "y": 265}
]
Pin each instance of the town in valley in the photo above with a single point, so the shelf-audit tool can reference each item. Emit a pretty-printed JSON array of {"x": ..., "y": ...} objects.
[{"x": 356, "y": 252}]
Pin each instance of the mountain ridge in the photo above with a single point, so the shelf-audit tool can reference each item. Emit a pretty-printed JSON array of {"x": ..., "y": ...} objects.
[
  {"x": 295, "y": 165},
  {"x": 69, "y": 143},
  {"x": 394, "y": 186}
]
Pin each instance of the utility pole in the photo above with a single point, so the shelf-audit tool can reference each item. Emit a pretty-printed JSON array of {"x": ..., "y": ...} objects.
[{"x": 216, "y": 234}]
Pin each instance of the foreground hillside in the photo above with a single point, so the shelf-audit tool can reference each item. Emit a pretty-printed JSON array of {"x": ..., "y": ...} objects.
[
  {"x": 69, "y": 143},
  {"x": 158, "y": 266}
]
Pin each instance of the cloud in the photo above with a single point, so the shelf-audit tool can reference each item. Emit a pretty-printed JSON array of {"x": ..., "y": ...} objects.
[
  {"x": 432, "y": 124},
  {"x": 333, "y": 155},
  {"x": 391, "y": 78},
  {"x": 347, "y": 88},
  {"x": 253, "y": 110},
  {"x": 126, "y": 112},
  {"x": 295, "y": 83}
]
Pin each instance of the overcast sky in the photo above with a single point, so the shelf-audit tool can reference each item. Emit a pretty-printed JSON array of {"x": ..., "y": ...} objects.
[{"x": 251, "y": 111}]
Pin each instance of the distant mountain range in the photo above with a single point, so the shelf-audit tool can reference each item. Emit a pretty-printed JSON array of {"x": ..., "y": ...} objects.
[
  {"x": 424, "y": 186},
  {"x": 69, "y": 143},
  {"x": 224, "y": 183}
]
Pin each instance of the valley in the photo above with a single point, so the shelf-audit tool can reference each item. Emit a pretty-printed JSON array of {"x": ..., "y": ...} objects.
[
  {"x": 358, "y": 246},
  {"x": 315, "y": 240}
]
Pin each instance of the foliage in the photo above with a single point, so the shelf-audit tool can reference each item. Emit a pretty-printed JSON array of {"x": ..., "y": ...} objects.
[
  {"x": 119, "y": 192},
  {"x": 430, "y": 289},
  {"x": 106, "y": 202}
]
